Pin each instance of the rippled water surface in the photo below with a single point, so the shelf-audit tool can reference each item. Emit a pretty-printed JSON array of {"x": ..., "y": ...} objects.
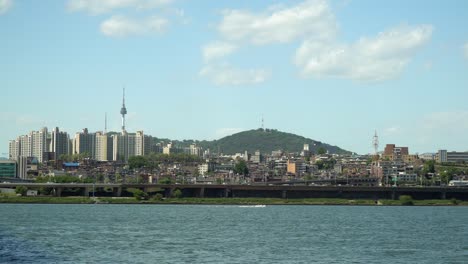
[{"x": 231, "y": 234}]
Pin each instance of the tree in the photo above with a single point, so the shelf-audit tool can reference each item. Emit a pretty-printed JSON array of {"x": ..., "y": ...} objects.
[
  {"x": 137, "y": 162},
  {"x": 319, "y": 164},
  {"x": 177, "y": 193},
  {"x": 406, "y": 200},
  {"x": 140, "y": 195},
  {"x": 21, "y": 190},
  {"x": 241, "y": 167},
  {"x": 447, "y": 175},
  {"x": 165, "y": 180},
  {"x": 321, "y": 151},
  {"x": 158, "y": 197},
  {"x": 429, "y": 167}
]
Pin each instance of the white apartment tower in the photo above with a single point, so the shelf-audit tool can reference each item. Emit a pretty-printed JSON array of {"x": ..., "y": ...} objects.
[
  {"x": 14, "y": 149},
  {"x": 104, "y": 147},
  {"x": 39, "y": 144}
]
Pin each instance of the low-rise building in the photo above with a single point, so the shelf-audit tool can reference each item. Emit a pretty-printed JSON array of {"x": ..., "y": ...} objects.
[
  {"x": 7, "y": 169},
  {"x": 451, "y": 156}
]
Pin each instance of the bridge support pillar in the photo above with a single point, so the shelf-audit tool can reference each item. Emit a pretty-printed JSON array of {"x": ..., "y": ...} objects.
[
  {"x": 86, "y": 191},
  {"x": 117, "y": 191},
  {"x": 226, "y": 193},
  {"x": 443, "y": 195},
  {"x": 58, "y": 191},
  {"x": 201, "y": 194},
  {"x": 284, "y": 194},
  {"x": 394, "y": 195},
  {"x": 168, "y": 192}
]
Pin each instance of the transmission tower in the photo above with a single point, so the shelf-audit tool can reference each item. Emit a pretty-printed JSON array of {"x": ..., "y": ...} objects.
[
  {"x": 375, "y": 142},
  {"x": 263, "y": 125}
]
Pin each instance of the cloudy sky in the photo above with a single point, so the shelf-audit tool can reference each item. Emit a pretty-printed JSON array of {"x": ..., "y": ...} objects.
[{"x": 333, "y": 71}]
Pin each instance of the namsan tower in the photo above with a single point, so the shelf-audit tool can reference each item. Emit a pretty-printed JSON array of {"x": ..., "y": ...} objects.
[{"x": 123, "y": 111}]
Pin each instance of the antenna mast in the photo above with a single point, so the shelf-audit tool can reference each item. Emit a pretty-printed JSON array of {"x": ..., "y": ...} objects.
[
  {"x": 375, "y": 142},
  {"x": 105, "y": 123},
  {"x": 263, "y": 125}
]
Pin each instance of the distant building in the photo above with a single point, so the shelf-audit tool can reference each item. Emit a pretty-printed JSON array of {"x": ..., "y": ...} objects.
[
  {"x": 25, "y": 146},
  {"x": 84, "y": 142},
  {"x": 7, "y": 168},
  {"x": 39, "y": 144},
  {"x": 203, "y": 169},
  {"x": 171, "y": 149},
  {"x": 277, "y": 153},
  {"x": 121, "y": 149},
  {"x": 257, "y": 157},
  {"x": 451, "y": 156},
  {"x": 127, "y": 145},
  {"x": 195, "y": 150},
  {"x": 35, "y": 144},
  {"x": 22, "y": 168},
  {"x": 395, "y": 153},
  {"x": 427, "y": 156},
  {"x": 104, "y": 147},
  {"x": 14, "y": 149},
  {"x": 142, "y": 144},
  {"x": 59, "y": 144},
  {"x": 296, "y": 167},
  {"x": 305, "y": 151}
]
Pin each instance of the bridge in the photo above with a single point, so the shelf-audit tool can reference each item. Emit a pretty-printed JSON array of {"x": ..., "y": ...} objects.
[{"x": 259, "y": 191}]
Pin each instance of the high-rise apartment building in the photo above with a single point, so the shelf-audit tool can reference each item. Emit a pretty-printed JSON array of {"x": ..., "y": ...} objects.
[
  {"x": 39, "y": 144},
  {"x": 84, "y": 142},
  {"x": 142, "y": 144},
  {"x": 14, "y": 149},
  {"x": 59, "y": 143},
  {"x": 25, "y": 146},
  {"x": 104, "y": 147},
  {"x": 35, "y": 144}
]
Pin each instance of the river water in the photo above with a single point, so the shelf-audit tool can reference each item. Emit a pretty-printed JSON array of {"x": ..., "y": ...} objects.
[{"x": 105, "y": 233}]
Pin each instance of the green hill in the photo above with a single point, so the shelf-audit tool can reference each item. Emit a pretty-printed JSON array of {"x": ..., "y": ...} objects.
[{"x": 266, "y": 141}]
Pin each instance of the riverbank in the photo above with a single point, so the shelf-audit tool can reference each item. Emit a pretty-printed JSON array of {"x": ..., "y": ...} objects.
[{"x": 224, "y": 201}]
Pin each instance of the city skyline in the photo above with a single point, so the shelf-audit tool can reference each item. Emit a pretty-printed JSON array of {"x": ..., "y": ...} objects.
[{"x": 207, "y": 70}]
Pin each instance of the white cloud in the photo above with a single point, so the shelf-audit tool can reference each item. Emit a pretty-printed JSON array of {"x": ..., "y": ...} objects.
[
  {"x": 392, "y": 130},
  {"x": 446, "y": 121},
  {"x": 465, "y": 50},
  {"x": 370, "y": 59},
  {"x": 120, "y": 26},
  {"x": 428, "y": 65},
  {"x": 5, "y": 5},
  {"x": 320, "y": 55},
  {"x": 96, "y": 7},
  {"x": 217, "y": 50},
  {"x": 227, "y": 75},
  {"x": 443, "y": 130},
  {"x": 279, "y": 24}
]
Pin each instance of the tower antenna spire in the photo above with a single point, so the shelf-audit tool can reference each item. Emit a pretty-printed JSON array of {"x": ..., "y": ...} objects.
[
  {"x": 375, "y": 142},
  {"x": 105, "y": 123},
  {"x": 123, "y": 110},
  {"x": 263, "y": 124}
]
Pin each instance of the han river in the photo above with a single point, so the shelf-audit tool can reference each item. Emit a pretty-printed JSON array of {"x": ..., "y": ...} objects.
[{"x": 102, "y": 233}]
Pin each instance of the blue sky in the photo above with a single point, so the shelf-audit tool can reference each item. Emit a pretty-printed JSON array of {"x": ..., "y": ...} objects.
[{"x": 333, "y": 71}]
